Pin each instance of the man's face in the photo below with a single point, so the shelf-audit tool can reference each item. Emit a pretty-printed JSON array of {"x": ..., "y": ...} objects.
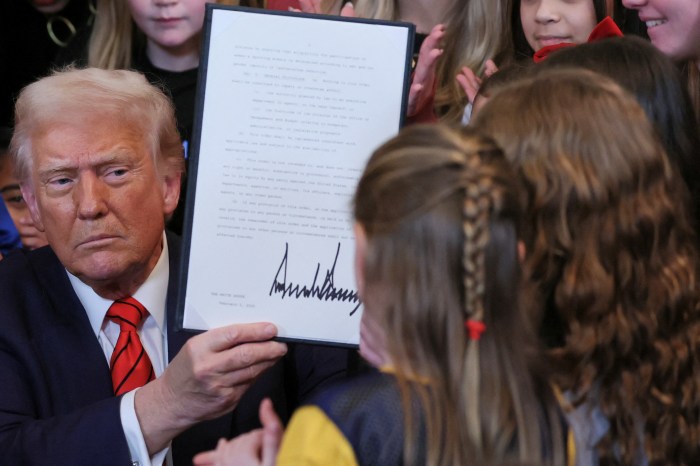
[{"x": 95, "y": 191}]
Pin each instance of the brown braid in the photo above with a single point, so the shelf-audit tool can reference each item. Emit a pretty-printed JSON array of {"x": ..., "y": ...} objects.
[{"x": 478, "y": 189}]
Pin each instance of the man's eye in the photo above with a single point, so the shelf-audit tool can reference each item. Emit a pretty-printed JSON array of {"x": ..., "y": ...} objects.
[
  {"x": 59, "y": 182},
  {"x": 15, "y": 199},
  {"x": 118, "y": 172}
]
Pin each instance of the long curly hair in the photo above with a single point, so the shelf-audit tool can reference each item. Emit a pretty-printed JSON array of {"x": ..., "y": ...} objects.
[
  {"x": 611, "y": 254},
  {"x": 441, "y": 215}
]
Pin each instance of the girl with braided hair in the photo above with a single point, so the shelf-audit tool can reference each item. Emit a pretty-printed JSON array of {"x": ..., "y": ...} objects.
[
  {"x": 438, "y": 269},
  {"x": 613, "y": 263}
]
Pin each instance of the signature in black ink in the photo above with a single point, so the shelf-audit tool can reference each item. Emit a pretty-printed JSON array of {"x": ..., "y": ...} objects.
[{"x": 325, "y": 292}]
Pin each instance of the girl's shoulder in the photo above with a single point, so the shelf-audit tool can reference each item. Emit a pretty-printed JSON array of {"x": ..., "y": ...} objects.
[{"x": 369, "y": 413}]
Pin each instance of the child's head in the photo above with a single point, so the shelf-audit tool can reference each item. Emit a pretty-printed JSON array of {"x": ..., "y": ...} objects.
[
  {"x": 609, "y": 249},
  {"x": 30, "y": 236},
  {"x": 652, "y": 78},
  {"x": 170, "y": 31},
  {"x": 171, "y": 27},
  {"x": 418, "y": 195},
  {"x": 673, "y": 26},
  {"x": 539, "y": 23},
  {"x": 438, "y": 258}
]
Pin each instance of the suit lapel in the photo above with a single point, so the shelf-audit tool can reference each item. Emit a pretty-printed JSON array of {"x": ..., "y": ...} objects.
[{"x": 63, "y": 336}]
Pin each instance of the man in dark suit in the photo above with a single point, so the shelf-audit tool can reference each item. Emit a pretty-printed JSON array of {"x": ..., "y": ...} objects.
[{"x": 91, "y": 316}]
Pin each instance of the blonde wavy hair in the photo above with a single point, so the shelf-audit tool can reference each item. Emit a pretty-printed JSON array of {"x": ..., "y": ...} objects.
[
  {"x": 441, "y": 213},
  {"x": 610, "y": 253},
  {"x": 476, "y": 31}
]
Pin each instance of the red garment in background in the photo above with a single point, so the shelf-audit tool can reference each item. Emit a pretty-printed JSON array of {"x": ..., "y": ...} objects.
[{"x": 282, "y": 4}]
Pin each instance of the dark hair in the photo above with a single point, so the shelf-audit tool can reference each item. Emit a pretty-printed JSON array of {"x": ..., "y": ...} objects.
[
  {"x": 504, "y": 76},
  {"x": 523, "y": 50},
  {"x": 5, "y": 137},
  {"x": 654, "y": 80}
]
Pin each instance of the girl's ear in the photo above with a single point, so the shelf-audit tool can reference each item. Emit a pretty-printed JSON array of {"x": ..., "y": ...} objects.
[
  {"x": 360, "y": 251},
  {"x": 522, "y": 251}
]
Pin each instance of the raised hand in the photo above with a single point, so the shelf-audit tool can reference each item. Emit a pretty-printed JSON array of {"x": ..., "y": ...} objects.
[
  {"x": 256, "y": 448},
  {"x": 421, "y": 91},
  {"x": 314, "y": 6},
  {"x": 471, "y": 83}
]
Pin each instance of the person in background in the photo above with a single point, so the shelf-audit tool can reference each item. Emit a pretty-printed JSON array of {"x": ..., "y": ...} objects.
[
  {"x": 459, "y": 34},
  {"x": 32, "y": 32},
  {"x": 9, "y": 236},
  {"x": 30, "y": 237},
  {"x": 652, "y": 78},
  {"x": 459, "y": 380},
  {"x": 612, "y": 263},
  {"x": 92, "y": 367},
  {"x": 542, "y": 26},
  {"x": 674, "y": 28}
]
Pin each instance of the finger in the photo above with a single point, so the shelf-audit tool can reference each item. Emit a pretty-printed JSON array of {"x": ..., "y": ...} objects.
[
  {"x": 307, "y": 6},
  {"x": 245, "y": 449},
  {"x": 348, "y": 10},
  {"x": 467, "y": 87},
  {"x": 272, "y": 432},
  {"x": 268, "y": 417},
  {"x": 241, "y": 364},
  {"x": 472, "y": 78},
  {"x": 464, "y": 84},
  {"x": 222, "y": 338},
  {"x": 434, "y": 37},
  {"x": 425, "y": 68},
  {"x": 414, "y": 94},
  {"x": 429, "y": 52},
  {"x": 204, "y": 459},
  {"x": 470, "y": 82},
  {"x": 294, "y": 10},
  {"x": 490, "y": 68}
]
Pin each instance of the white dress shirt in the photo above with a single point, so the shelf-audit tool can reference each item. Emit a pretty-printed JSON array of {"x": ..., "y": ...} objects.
[{"x": 152, "y": 294}]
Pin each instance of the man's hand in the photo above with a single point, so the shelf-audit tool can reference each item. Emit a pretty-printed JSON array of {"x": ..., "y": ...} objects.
[
  {"x": 256, "y": 448},
  {"x": 205, "y": 380}
]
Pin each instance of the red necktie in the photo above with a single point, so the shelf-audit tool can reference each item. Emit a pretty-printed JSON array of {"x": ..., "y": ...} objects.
[{"x": 130, "y": 366}]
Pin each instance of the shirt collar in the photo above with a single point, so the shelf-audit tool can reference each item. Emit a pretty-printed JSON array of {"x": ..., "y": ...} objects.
[{"x": 152, "y": 294}]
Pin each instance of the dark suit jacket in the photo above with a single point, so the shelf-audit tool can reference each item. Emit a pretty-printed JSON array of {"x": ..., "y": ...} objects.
[{"x": 56, "y": 400}]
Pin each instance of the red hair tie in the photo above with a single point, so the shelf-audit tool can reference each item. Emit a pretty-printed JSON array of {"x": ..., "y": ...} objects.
[
  {"x": 474, "y": 328},
  {"x": 603, "y": 30}
]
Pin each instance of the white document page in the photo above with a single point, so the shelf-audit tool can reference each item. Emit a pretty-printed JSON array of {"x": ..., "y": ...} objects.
[{"x": 293, "y": 108}]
